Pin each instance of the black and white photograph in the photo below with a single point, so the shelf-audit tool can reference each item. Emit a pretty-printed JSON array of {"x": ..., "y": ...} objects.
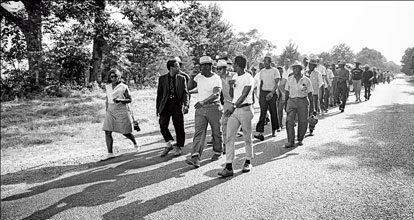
[{"x": 215, "y": 110}]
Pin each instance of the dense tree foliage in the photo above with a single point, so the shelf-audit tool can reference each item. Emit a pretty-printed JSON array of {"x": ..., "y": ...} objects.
[
  {"x": 408, "y": 61},
  {"x": 72, "y": 44}
]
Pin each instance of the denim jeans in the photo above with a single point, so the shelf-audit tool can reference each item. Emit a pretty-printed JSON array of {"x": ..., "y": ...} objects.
[
  {"x": 241, "y": 116},
  {"x": 203, "y": 116}
]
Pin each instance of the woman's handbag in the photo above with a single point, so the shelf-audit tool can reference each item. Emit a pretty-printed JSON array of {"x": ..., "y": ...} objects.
[{"x": 134, "y": 122}]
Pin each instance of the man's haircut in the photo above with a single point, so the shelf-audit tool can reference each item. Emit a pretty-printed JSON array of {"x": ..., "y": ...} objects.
[
  {"x": 240, "y": 61},
  {"x": 170, "y": 64}
]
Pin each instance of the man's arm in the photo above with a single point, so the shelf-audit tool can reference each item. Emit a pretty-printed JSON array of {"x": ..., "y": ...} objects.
[
  {"x": 191, "y": 83},
  {"x": 310, "y": 103},
  {"x": 159, "y": 95},
  {"x": 208, "y": 100},
  {"x": 239, "y": 101},
  {"x": 185, "y": 97}
]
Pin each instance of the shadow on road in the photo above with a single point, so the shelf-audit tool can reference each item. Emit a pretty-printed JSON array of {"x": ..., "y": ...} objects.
[
  {"x": 386, "y": 137},
  {"x": 114, "y": 178}
]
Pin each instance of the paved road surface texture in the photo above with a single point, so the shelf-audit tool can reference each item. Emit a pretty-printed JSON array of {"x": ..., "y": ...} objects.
[{"x": 359, "y": 165}]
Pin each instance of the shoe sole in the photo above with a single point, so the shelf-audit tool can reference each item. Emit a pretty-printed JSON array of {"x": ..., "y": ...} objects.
[
  {"x": 223, "y": 176},
  {"x": 189, "y": 162}
]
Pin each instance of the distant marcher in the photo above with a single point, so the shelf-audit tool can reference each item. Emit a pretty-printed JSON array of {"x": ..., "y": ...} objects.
[
  {"x": 118, "y": 116},
  {"x": 269, "y": 80},
  {"x": 225, "y": 77},
  {"x": 208, "y": 111},
  {"x": 343, "y": 81},
  {"x": 172, "y": 102},
  {"x": 330, "y": 76},
  {"x": 280, "y": 104},
  {"x": 298, "y": 93},
  {"x": 317, "y": 82},
  {"x": 323, "y": 90},
  {"x": 240, "y": 114},
  {"x": 356, "y": 74},
  {"x": 367, "y": 77}
]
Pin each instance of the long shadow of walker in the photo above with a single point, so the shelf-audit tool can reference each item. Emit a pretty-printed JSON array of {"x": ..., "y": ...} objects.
[{"x": 111, "y": 183}]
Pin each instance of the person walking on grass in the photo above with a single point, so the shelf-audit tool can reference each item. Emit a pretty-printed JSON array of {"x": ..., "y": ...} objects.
[
  {"x": 208, "y": 111},
  {"x": 298, "y": 93},
  {"x": 240, "y": 114},
  {"x": 172, "y": 102},
  {"x": 118, "y": 116},
  {"x": 269, "y": 81}
]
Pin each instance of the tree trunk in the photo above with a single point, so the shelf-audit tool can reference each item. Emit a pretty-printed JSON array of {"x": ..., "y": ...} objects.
[{"x": 98, "y": 43}]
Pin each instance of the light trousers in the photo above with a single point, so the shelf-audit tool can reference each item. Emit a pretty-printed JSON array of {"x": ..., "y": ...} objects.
[
  {"x": 297, "y": 107},
  {"x": 240, "y": 117},
  {"x": 204, "y": 116}
]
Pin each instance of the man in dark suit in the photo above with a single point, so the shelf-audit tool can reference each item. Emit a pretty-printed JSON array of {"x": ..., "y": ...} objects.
[{"x": 172, "y": 102}]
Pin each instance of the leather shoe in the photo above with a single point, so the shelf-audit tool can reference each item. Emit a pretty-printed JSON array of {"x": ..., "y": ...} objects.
[
  {"x": 247, "y": 167},
  {"x": 215, "y": 157},
  {"x": 259, "y": 136},
  {"x": 165, "y": 151},
  {"x": 226, "y": 173},
  {"x": 177, "y": 151},
  {"x": 195, "y": 161}
]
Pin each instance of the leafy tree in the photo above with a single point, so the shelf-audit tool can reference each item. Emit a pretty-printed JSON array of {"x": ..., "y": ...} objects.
[
  {"x": 371, "y": 57},
  {"x": 326, "y": 57},
  {"x": 252, "y": 46},
  {"x": 289, "y": 52},
  {"x": 342, "y": 52},
  {"x": 407, "y": 61}
]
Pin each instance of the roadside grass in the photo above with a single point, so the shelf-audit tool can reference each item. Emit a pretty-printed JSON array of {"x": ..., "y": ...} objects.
[{"x": 48, "y": 120}]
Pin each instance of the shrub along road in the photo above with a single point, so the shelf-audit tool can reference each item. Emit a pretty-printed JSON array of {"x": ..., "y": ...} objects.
[{"x": 359, "y": 165}]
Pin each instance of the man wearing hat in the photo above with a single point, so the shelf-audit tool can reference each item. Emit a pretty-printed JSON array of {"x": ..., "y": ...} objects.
[
  {"x": 172, "y": 102},
  {"x": 356, "y": 75},
  {"x": 317, "y": 82},
  {"x": 226, "y": 99},
  {"x": 367, "y": 77},
  {"x": 298, "y": 93},
  {"x": 208, "y": 111},
  {"x": 343, "y": 81}
]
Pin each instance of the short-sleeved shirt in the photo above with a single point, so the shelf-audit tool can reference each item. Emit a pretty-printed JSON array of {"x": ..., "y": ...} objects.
[
  {"x": 226, "y": 87},
  {"x": 316, "y": 81},
  {"x": 240, "y": 82},
  {"x": 268, "y": 76},
  {"x": 342, "y": 74},
  {"x": 298, "y": 89},
  {"x": 205, "y": 86},
  {"x": 286, "y": 72},
  {"x": 118, "y": 92},
  {"x": 356, "y": 74}
]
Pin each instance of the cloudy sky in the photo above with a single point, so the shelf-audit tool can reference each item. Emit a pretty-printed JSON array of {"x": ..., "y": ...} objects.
[{"x": 317, "y": 26}]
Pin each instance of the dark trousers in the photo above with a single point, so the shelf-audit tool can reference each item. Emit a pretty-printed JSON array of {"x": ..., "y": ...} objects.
[
  {"x": 367, "y": 87},
  {"x": 173, "y": 110},
  {"x": 343, "y": 93},
  {"x": 264, "y": 106},
  {"x": 324, "y": 97}
]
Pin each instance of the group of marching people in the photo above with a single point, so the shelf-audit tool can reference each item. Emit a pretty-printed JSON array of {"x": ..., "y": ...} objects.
[{"x": 226, "y": 93}]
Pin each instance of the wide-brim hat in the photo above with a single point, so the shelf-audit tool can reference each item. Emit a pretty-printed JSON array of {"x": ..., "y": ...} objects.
[
  {"x": 222, "y": 63},
  {"x": 177, "y": 59},
  {"x": 341, "y": 63},
  {"x": 313, "y": 61},
  {"x": 206, "y": 60},
  {"x": 297, "y": 63},
  {"x": 357, "y": 62},
  {"x": 366, "y": 65}
]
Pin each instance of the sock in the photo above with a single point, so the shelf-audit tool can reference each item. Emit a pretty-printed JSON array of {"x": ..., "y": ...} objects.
[
  {"x": 229, "y": 166},
  {"x": 247, "y": 162}
]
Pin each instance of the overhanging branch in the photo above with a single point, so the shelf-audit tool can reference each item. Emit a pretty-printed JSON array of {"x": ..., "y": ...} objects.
[{"x": 10, "y": 17}]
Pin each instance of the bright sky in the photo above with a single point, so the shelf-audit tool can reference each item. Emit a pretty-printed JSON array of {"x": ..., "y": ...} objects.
[{"x": 317, "y": 26}]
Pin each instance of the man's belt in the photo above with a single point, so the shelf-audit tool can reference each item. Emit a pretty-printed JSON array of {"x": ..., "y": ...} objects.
[{"x": 244, "y": 105}]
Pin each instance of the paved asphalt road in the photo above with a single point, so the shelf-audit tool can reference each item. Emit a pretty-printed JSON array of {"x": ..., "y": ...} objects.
[{"x": 359, "y": 165}]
